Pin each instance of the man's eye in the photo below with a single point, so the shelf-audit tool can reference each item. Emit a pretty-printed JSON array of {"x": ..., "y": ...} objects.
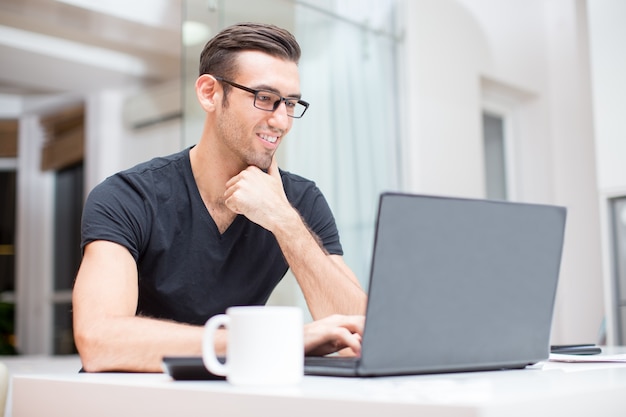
[
  {"x": 265, "y": 97},
  {"x": 291, "y": 104}
]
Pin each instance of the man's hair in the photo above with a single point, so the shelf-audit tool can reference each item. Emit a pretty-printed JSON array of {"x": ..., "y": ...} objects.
[{"x": 220, "y": 53}]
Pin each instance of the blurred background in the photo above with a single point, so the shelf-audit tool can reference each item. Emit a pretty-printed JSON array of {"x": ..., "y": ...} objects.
[{"x": 519, "y": 100}]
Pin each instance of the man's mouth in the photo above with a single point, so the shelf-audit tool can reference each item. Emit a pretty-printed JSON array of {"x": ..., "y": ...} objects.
[{"x": 268, "y": 138}]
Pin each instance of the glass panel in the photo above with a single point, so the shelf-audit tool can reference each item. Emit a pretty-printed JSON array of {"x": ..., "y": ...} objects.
[
  {"x": 67, "y": 255},
  {"x": 347, "y": 142},
  {"x": 7, "y": 230},
  {"x": 7, "y": 262},
  {"x": 63, "y": 343},
  {"x": 205, "y": 18},
  {"x": 67, "y": 212},
  {"x": 495, "y": 163},
  {"x": 7, "y": 329}
]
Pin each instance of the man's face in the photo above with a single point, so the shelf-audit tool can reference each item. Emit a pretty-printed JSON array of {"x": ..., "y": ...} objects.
[{"x": 252, "y": 135}]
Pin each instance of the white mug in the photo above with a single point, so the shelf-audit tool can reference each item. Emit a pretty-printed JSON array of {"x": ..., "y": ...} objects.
[{"x": 265, "y": 345}]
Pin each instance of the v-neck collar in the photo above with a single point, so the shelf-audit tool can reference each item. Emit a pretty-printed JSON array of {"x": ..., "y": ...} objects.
[{"x": 202, "y": 208}]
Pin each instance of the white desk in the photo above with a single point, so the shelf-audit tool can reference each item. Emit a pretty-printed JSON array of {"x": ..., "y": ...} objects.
[{"x": 547, "y": 389}]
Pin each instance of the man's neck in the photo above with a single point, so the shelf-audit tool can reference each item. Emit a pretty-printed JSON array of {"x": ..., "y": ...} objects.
[
  {"x": 211, "y": 171},
  {"x": 211, "y": 175}
]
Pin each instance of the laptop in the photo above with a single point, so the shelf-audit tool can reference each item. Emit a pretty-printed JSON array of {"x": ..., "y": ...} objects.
[{"x": 456, "y": 285}]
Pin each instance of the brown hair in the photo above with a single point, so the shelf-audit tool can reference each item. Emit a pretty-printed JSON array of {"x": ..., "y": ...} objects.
[{"x": 220, "y": 53}]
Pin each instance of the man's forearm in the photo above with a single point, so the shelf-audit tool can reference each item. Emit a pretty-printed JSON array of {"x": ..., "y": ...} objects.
[
  {"x": 328, "y": 285},
  {"x": 138, "y": 344}
]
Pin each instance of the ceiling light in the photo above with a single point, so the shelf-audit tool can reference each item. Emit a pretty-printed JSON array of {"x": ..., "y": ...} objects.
[{"x": 195, "y": 33}]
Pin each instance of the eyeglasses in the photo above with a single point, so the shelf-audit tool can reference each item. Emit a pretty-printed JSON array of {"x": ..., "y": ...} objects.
[{"x": 269, "y": 100}]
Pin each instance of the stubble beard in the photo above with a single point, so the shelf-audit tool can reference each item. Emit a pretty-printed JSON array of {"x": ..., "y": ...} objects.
[{"x": 238, "y": 143}]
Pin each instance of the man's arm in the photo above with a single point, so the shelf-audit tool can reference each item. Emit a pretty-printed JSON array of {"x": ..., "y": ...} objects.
[
  {"x": 329, "y": 286},
  {"x": 327, "y": 283},
  {"x": 108, "y": 335}
]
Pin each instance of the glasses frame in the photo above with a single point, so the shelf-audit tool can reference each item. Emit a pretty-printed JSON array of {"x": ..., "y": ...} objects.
[{"x": 277, "y": 103}]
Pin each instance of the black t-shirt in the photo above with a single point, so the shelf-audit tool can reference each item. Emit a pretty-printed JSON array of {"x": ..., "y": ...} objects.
[{"x": 188, "y": 272}]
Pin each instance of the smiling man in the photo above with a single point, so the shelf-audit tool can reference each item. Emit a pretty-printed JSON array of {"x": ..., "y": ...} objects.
[{"x": 173, "y": 241}]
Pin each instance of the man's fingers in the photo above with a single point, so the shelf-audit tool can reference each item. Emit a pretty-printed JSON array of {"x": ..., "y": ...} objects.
[
  {"x": 334, "y": 333},
  {"x": 352, "y": 341}
]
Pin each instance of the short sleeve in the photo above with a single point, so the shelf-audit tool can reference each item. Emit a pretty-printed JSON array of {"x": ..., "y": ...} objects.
[
  {"x": 115, "y": 211},
  {"x": 308, "y": 199}
]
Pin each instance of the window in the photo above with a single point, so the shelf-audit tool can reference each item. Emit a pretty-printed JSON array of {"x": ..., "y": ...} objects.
[
  {"x": 495, "y": 157},
  {"x": 49, "y": 204},
  {"x": 618, "y": 217}
]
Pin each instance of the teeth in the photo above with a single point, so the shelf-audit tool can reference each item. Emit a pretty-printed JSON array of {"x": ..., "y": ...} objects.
[{"x": 270, "y": 139}]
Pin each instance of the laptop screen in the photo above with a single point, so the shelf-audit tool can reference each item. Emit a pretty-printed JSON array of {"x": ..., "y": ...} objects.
[{"x": 461, "y": 284}]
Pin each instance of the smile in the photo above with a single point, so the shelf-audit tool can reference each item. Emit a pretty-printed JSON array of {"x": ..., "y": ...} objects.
[{"x": 268, "y": 138}]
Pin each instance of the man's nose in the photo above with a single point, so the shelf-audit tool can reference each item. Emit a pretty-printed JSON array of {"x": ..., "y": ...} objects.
[{"x": 279, "y": 116}]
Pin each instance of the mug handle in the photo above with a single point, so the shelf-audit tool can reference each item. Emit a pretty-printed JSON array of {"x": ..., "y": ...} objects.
[{"x": 208, "y": 344}]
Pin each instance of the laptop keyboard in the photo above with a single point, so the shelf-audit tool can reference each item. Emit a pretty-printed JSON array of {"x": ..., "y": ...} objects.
[{"x": 331, "y": 361}]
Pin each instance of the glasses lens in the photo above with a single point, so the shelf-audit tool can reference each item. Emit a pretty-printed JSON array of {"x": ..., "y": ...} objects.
[
  {"x": 267, "y": 100},
  {"x": 294, "y": 108}
]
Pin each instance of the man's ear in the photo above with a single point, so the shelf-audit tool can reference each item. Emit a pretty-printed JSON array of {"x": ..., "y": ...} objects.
[{"x": 208, "y": 92}]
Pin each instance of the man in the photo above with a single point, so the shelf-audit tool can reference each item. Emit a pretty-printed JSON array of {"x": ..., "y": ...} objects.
[{"x": 176, "y": 240}]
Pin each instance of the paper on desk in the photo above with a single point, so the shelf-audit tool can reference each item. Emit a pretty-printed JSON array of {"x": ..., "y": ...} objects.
[{"x": 557, "y": 357}]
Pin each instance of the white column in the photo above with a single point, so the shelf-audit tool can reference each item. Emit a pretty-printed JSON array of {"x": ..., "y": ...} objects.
[{"x": 580, "y": 303}]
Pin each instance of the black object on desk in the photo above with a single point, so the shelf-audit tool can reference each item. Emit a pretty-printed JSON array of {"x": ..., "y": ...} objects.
[
  {"x": 188, "y": 368},
  {"x": 583, "y": 349}
]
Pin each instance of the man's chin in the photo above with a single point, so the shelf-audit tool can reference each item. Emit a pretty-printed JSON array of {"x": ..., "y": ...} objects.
[{"x": 263, "y": 165}]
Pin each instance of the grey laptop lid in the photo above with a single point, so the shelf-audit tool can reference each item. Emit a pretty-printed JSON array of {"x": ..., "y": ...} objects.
[{"x": 459, "y": 285}]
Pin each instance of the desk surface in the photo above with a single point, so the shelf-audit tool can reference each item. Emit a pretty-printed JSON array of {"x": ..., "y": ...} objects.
[{"x": 547, "y": 388}]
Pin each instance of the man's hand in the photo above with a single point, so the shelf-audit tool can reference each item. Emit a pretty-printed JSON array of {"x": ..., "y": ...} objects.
[
  {"x": 259, "y": 196},
  {"x": 334, "y": 333}
]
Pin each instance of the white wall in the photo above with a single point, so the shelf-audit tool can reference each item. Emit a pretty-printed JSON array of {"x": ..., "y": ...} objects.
[
  {"x": 533, "y": 54},
  {"x": 608, "y": 74},
  {"x": 608, "y": 68},
  {"x": 443, "y": 51},
  {"x": 580, "y": 302}
]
